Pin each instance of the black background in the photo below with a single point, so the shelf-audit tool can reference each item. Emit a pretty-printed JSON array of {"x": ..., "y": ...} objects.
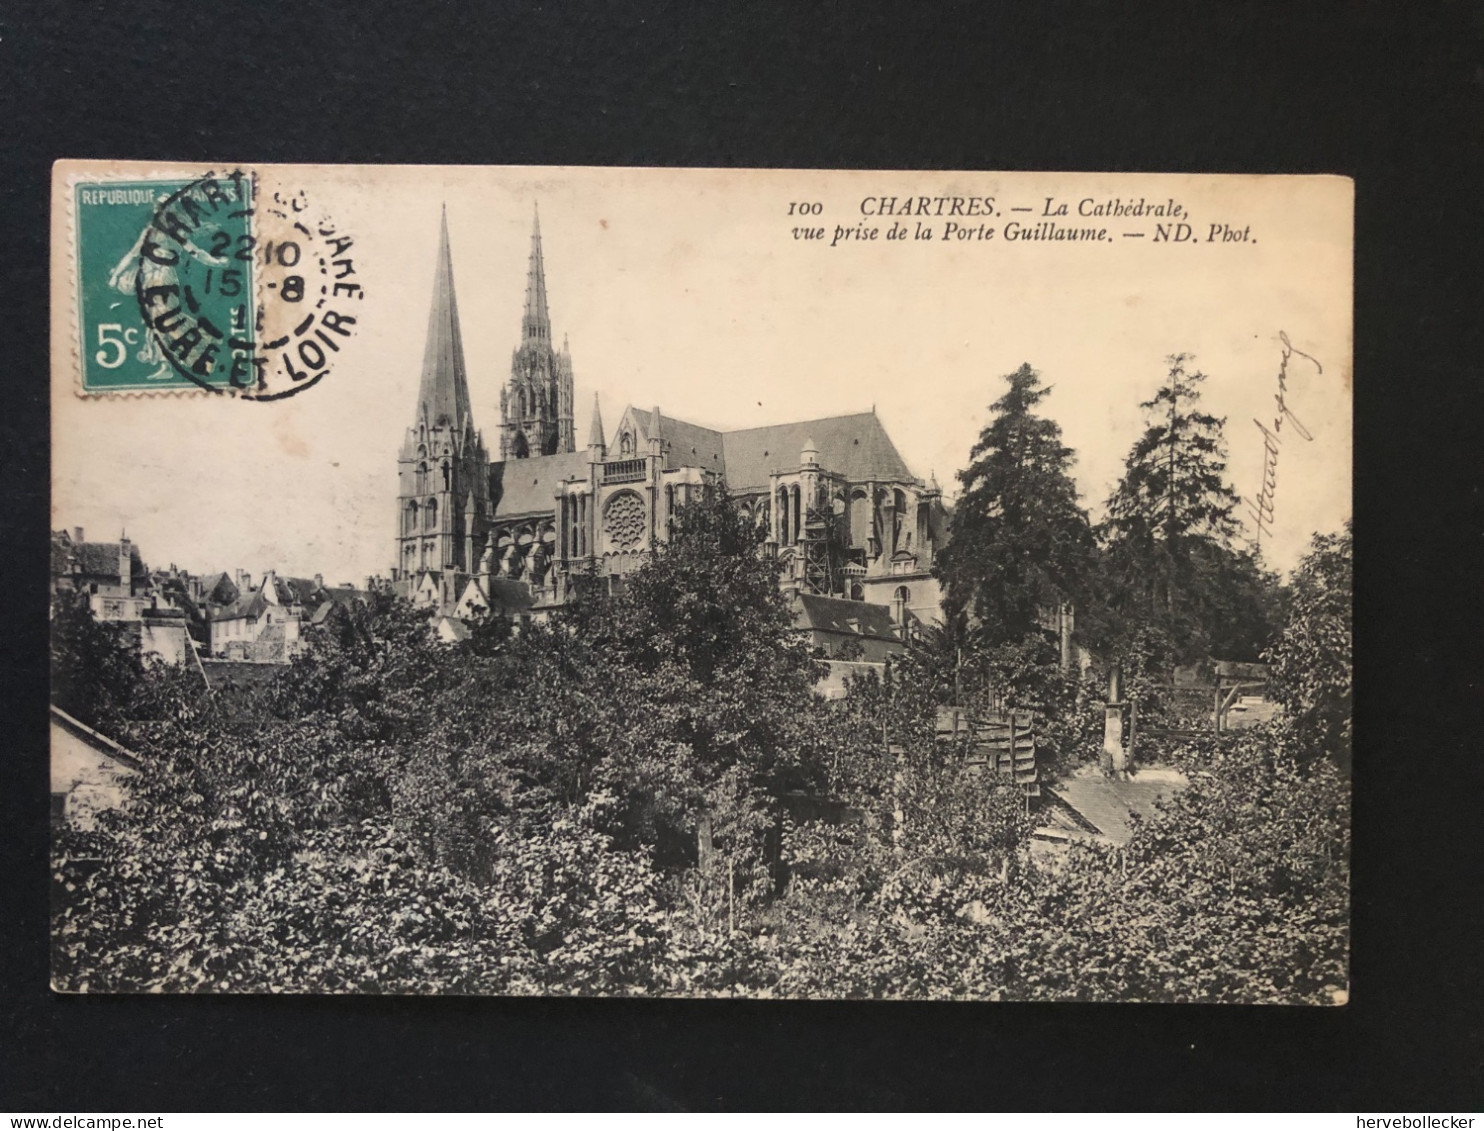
[{"x": 1387, "y": 94}]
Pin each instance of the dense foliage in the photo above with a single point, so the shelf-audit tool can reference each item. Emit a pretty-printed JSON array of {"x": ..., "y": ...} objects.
[
  {"x": 1312, "y": 657},
  {"x": 644, "y": 796}
]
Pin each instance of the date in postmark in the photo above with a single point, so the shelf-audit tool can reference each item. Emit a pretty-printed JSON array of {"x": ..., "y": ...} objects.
[{"x": 216, "y": 283}]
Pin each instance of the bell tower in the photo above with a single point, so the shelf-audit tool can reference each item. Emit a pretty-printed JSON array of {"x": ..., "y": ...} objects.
[
  {"x": 536, "y": 410},
  {"x": 443, "y": 467}
]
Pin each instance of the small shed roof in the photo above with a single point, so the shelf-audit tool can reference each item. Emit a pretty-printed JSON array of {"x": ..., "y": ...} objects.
[{"x": 1112, "y": 805}]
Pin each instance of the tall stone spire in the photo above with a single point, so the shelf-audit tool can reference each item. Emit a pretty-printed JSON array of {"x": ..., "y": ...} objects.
[
  {"x": 443, "y": 467},
  {"x": 443, "y": 394},
  {"x": 536, "y": 406},
  {"x": 535, "y": 324}
]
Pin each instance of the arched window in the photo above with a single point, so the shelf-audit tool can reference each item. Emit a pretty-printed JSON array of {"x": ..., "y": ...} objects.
[
  {"x": 783, "y": 516},
  {"x": 430, "y": 514},
  {"x": 422, "y": 476},
  {"x": 411, "y": 523},
  {"x": 856, "y": 592},
  {"x": 626, "y": 444},
  {"x": 798, "y": 516},
  {"x": 899, "y": 604},
  {"x": 522, "y": 446}
]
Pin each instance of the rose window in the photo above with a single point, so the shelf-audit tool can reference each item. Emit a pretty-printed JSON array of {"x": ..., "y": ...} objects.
[{"x": 623, "y": 520}]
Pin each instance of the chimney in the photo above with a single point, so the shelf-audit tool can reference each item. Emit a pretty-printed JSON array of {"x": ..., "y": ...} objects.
[
  {"x": 319, "y": 581},
  {"x": 77, "y": 534}
]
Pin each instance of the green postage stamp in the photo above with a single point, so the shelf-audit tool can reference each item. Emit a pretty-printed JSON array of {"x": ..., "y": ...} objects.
[
  {"x": 164, "y": 283},
  {"x": 217, "y": 282}
]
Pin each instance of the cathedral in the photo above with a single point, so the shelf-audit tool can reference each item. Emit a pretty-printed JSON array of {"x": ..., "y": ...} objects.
[{"x": 832, "y": 498}]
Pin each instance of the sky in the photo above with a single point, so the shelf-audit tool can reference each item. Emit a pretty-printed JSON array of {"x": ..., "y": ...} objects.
[{"x": 692, "y": 290}]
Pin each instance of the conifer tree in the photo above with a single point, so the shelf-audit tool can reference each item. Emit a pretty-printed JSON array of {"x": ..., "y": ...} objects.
[
  {"x": 1173, "y": 487},
  {"x": 1019, "y": 539},
  {"x": 1170, "y": 530}
]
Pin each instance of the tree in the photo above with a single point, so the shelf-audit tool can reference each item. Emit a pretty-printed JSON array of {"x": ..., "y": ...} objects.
[
  {"x": 95, "y": 666},
  {"x": 702, "y": 672},
  {"x": 1019, "y": 540},
  {"x": 1170, "y": 529},
  {"x": 1312, "y": 674},
  {"x": 1173, "y": 486}
]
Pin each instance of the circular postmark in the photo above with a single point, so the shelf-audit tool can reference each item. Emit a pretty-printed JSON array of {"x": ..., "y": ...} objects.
[{"x": 245, "y": 288}]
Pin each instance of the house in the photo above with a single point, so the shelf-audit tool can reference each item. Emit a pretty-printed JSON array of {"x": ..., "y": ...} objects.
[
  {"x": 88, "y": 771},
  {"x": 121, "y": 590},
  {"x": 848, "y": 630},
  {"x": 451, "y": 630},
  {"x": 263, "y": 623},
  {"x": 111, "y": 570}
]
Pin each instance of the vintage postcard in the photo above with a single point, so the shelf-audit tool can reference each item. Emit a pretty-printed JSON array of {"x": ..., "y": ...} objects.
[{"x": 695, "y": 582}]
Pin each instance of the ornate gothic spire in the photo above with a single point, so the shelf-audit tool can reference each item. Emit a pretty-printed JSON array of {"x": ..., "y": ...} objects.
[
  {"x": 443, "y": 395},
  {"x": 535, "y": 325}
]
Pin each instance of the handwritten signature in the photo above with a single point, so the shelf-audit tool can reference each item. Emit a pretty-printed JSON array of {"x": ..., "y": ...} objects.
[{"x": 1263, "y": 508}]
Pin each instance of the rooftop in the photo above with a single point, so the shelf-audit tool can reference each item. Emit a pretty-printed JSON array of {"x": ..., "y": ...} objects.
[
  {"x": 1112, "y": 806},
  {"x": 854, "y": 446},
  {"x": 835, "y": 614}
]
